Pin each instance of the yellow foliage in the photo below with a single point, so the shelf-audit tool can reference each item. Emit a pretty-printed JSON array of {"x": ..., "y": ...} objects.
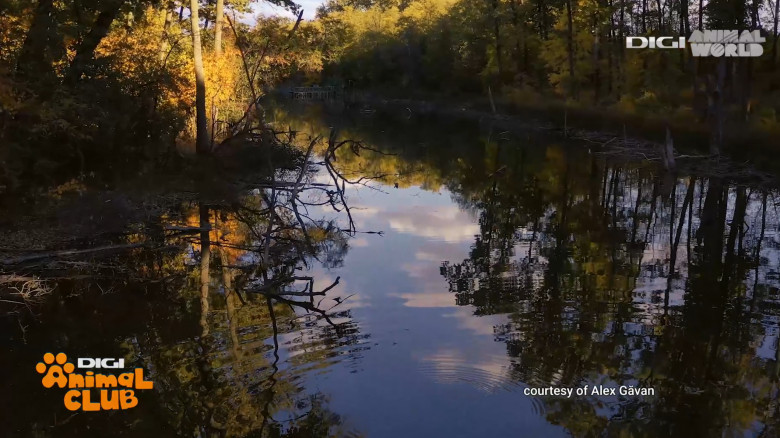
[
  {"x": 135, "y": 57},
  {"x": 423, "y": 13},
  {"x": 223, "y": 76},
  {"x": 12, "y": 31}
]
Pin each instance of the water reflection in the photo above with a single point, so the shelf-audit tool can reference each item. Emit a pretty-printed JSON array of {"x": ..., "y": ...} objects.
[
  {"x": 609, "y": 275},
  {"x": 505, "y": 261},
  {"x": 594, "y": 271},
  {"x": 217, "y": 300}
]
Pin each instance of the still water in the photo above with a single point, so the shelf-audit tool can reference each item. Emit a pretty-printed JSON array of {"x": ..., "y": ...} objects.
[{"x": 479, "y": 264}]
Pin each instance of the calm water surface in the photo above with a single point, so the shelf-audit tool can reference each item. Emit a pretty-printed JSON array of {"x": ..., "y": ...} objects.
[{"x": 485, "y": 263}]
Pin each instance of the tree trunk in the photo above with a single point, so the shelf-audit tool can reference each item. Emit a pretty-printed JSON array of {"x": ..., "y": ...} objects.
[
  {"x": 205, "y": 265},
  {"x": 218, "y": 27},
  {"x": 683, "y": 28},
  {"x": 164, "y": 40},
  {"x": 596, "y": 69},
  {"x": 716, "y": 86},
  {"x": 32, "y": 57},
  {"x": 520, "y": 36},
  {"x": 85, "y": 52},
  {"x": 570, "y": 47},
  {"x": 701, "y": 10},
  {"x": 774, "y": 45},
  {"x": 497, "y": 38},
  {"x": 202, "y": 135},
  {"x": 754, "y": 14}
]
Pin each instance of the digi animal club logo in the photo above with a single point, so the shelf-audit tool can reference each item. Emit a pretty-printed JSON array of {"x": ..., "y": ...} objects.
[{"x": 88, "y": 391}]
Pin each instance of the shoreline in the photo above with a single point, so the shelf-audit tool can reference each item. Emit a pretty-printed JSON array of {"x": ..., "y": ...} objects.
[{"x": 598, "y": 124}]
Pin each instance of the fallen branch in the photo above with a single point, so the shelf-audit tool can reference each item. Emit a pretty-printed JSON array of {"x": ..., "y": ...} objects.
[{"x": 68, "y": 253}]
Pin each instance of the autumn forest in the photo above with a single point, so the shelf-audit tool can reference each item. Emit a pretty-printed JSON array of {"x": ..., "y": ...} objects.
[
  {"x": 389, "y": 218},
  {"x": 79, "y": 79}
]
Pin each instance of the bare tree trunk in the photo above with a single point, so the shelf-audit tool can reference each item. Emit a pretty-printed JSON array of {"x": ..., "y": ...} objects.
[
  {"x": 610, "y": 44},
  {"x": 683, "y": 28},
  {"x": 715, "y": 107},
  {"x": 667, "y": 151},
  {"x": 220, "y": 17},
  {"x": 570, "y": 48},
  {"x": 596, "y": 56},
  {"x": 32, "y": 57},
  {"x": 520, "y": 65},
  {"x": 774, "y": 45},
  {"x": 701, "y": 10},
  {"x": 205, "y": 263},
  {"x": 164, "y": 39},
  {"x": 202, "y": 134},
  {"x": 754, "y": 14},
  {"x": 497, "y": 36}
]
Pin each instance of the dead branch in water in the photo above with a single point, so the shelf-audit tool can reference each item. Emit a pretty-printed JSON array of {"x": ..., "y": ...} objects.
[
  {"x": 22, "y": 290},
  {"x": 67, "y": 253}
]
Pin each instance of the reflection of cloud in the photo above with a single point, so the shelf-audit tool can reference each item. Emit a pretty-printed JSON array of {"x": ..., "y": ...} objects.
[
  {"x": 443, "y": 299},
  {"x": 449, "y": 223},
  {"x": 480, "y": 325},
  {"x": 359, "y": 242},
  {"x": 364, "y": 211},
  {"x": 431, "y": 287}
]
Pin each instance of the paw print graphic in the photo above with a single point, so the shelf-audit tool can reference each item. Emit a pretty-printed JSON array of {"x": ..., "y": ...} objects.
[{"x": 54, "y": 373}]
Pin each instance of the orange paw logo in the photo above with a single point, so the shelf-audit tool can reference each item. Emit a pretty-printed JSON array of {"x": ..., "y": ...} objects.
[{"x": 55, "y": 374}]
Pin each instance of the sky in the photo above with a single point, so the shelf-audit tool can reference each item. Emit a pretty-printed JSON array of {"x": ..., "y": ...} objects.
[{"x": 309, "y": 8}]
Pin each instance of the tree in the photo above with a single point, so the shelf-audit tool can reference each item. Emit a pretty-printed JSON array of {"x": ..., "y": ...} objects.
[
  {"x": 570, "y": 47},
  {"x": 33, "y": 56},
  {"x": 774, "y": 32},
  {"x": 201, "y": 123},
  {"x": 85, "y": 52},
  {"x": 218, "y": 22}
]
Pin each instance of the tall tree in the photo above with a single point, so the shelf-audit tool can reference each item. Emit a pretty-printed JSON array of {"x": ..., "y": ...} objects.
[
  {"x": 201, "y": 124},
  {"x": 219, "y": 20},
  {"x": 166, "y": 27},
  {"x": 32, "y": 58},
  {"x": 570, "y": 47},
  {"x": 774, "y": 45},
  {"x": 497, "y": 36}
]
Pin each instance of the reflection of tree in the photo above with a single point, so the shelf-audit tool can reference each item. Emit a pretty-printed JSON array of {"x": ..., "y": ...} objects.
[
  {"x": 572, "y": 252},
  {"x": 233, "y": 314},
  {"x": 229, "y": 381}
]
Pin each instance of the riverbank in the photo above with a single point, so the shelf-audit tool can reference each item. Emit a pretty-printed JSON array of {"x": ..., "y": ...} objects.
[{"x": 745, "y": 144}]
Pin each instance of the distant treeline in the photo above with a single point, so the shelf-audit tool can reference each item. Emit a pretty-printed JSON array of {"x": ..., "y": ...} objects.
[{"x": 531, "y": 50}]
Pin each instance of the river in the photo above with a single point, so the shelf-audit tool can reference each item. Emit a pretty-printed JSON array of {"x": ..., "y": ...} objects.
[{"x": 482, "y": 268}]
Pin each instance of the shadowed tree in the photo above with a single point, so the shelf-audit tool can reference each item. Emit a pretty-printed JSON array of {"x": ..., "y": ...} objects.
[{"x": 201, "y": 122}]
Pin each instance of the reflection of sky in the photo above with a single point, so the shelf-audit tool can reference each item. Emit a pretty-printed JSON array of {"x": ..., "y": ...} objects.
[{"x": 432, "y": 368}]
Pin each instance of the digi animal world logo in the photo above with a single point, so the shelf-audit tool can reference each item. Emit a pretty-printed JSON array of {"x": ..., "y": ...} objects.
[
  {"x": 715, "y": 43},
  {"x": 88, "y": 391}
]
